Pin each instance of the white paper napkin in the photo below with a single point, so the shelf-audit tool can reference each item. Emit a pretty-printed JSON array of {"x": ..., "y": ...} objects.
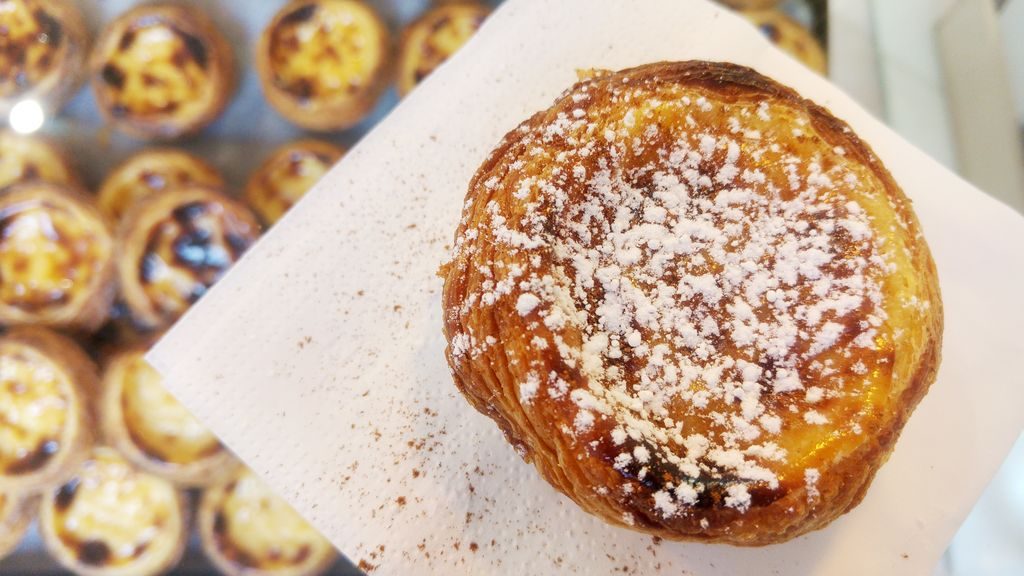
[{"x": 319, "y": 358}]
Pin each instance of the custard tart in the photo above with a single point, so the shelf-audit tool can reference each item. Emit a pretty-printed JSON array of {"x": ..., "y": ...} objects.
[
  {"x": 45, "y": 424},
  {"x": 162, "y": 71},
  {"x": 151, "y": 171},
  {"x": 173, "y": 246},
  {"x": 33, "y": 159},
  {"x": 56, "y": 258},
  {"x": 791, "y": 37},
  {"x": 698, "y": 303},
  {"x": 324, "y": 63},
  {"x": 246, "y": 530},
  {"x": 42, "y": 52},
  {"x": 287, "y": 174},
  {"x": 154, "y": 431},
  {"x": 434, "y": 37},
  {"x": 15, "y": 516},
  {"x": 110, "y": 519}
]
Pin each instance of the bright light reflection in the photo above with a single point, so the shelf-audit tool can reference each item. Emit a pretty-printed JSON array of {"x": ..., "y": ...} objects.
[{"x": 27, "y": 116}]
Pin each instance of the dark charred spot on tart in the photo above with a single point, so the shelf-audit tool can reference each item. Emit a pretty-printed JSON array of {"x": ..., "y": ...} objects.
[
  {"x": 303, "y": 554},
  {"x": 93, "y": 553},
  {"x": 187, "y": 213},
  {"x": 30, "y": 171},
  {"x": 196, "y": 248},
  {"x": 140, "y": 550},
  {"x": 51, "y": 31},
  {"x": 220, "y": 524},
  {"x": 153, "y": 180},
  {"x": 301, "y": 88},
  {"x": 127, "y": 39},
  {"x": 420, "y": 73},
  {"x": 195, "y": 47},
  {"x": 440, "y": 23},
  {"x": 238, "y": 243},
  {"x": 658, "y": 475},
  {"x": 771, "y": 31},
  {"x": 37, "y": 458},
  {"x": 66, "y": 494},
  {"x": 149, "y": 266},
  {"x": 150, "y": 80},
  {"x": 299, "y": 15},
  {"x": 112, "y": 76}
]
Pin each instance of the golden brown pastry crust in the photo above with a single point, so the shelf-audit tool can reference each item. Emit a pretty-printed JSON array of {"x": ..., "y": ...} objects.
[
  {"x": 33, "y": 159},
  {"x": 434, "y": 37},
  {"x": 15, "y": 516},
  {"x": 41, "y": 53},
  {"x": 286, "y": 175},
  {"x": 172, "y": 247},
  {"x": 46, "y": 424},
  {"x": 324, "y": 63},
  {"x": 56, "y": 258},
  {"x": 697, "y": 302},
  {"x": 246, "y": 530},
  {"x": 791, "y": 36},
  {"x": 152, "y": 430},
  {"x": 149, "y": 172},
  {"x": 162, "y": 71},
  {"x": 112, "y": 520}
]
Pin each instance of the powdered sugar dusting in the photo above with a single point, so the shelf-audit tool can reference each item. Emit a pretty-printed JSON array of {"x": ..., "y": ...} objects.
[{"x": 716, "y": 283}]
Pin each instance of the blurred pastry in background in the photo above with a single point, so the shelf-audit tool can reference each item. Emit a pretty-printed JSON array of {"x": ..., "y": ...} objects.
[
  {"x": 111, "y": 519},
  {"x": 173, "y": 246},
  {"x": 246, "y": 530},
  {"x": 434, "y": 37},
  {"x": 56, "y": 258},
  {"x": 45, "y": 427},
  {"x": 162, "y": 71},
  {"x": 154, "y": 431},
  {"x": 42, "y": 53},
  {"x": 750, "y": 4},
  {"x": 286, "y": 175},
  {"x": 324, "y": 63},
  {"x": 791, "y": 36},
  {"x": 15, "y": 516},
  {"x": 33, "y": 159},
  {"x": 151, "y": 171}
]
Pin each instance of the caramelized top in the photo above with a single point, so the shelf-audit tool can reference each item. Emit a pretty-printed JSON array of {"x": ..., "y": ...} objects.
[
  {"x": 149, "y": 172},
  {"x": 111, "y": 515},
  {"x": 433, "y": 38},
  {"x": 698, "y": 274},
  {"x": 32, "y": 46},
  {"x": 179, "y": 244},
  {"x": 161, "y": 66},
  {"x": 35, "y": 408},
  {"x": 53, "y": 250},
  {"x": 155, "y": 421},
  {"x": 326, "y": 49},
  {"x": 31, "y": 159},
  {"x": 287, "y": 175},
  {"x": 253, "y": 528}
]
